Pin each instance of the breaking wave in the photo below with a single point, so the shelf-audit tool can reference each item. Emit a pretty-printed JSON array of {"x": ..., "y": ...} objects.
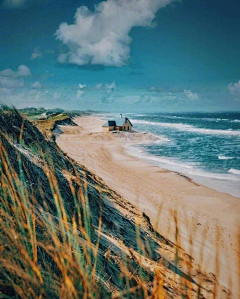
[
  {"x": 225, "y": 158},
  {"x": 234, "y": 171},
  {"x": 188, "y": 128}
]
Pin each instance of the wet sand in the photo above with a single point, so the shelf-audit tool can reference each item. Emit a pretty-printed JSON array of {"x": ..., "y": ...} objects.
[{"x": 208, "y": 221}]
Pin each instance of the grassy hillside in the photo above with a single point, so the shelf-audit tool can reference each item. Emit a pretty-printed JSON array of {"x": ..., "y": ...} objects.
[
  {"x": 46, "y": 126},
  {"x": 47, "y": 120},
  {"x": 65, "y": 234}
]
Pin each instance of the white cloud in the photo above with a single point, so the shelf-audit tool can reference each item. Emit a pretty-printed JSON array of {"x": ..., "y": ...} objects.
[
  {"x": 22, "y": 71},
  {"x": 11, "y": 4},
  {"x": 190, "y": 95},
  {"x": 7, "y": 73},
  {"x": 102, "y": 36},
  {"x": 79, "y": 94},
  {"x": 36, "y": 53},
  {"x": 98, "y": 86},
  {"x": 171, "y": 97},
  {"x": 81, "y": 86},
  {"x": 36, "y": 84},
  {"x": 234, "y": 89},
  {"x": 155, "y": 89},
  {"x": 174, "y": 94},
  {"x": 14, "y": 3},
  {"x": 8, "y": 82},
  {"x": 108, "y": 87},
  {"x": 5, "y": 91}
]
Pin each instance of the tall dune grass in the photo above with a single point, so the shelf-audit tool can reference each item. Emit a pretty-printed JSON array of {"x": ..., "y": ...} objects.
[{"x": 42, "y": 255}]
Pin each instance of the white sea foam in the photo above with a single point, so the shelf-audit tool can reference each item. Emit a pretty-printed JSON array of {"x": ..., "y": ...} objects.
[
  {"x": 138, "y": 152},
  {"x": 225, "y": 158},
  {"x": 200, "y": 118},
  {"x": 140, "y": 137},
  {"x": 188, "y": 169},
  {"x": 231, "y": 180},
  {"x": 139, "y": 114},
  {"x": 189, "y": 128},
  {"x": 234, "y": 171}
]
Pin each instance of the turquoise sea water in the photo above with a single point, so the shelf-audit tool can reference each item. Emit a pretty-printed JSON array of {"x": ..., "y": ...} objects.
[{"x": 203, "y": 146}]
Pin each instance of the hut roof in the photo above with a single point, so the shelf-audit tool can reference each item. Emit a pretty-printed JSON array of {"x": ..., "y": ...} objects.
[
  {"x": 127, "y": 121},
  {"x": 110, "y": 123}
]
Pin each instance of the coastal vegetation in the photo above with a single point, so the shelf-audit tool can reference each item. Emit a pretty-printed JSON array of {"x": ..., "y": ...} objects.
[
  {"x": 65, "y": 234},
  {"x": 47, "y": 120}
]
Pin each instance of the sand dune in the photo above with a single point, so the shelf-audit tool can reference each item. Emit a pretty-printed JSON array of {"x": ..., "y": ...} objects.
[{"x": 208, "y": 220}]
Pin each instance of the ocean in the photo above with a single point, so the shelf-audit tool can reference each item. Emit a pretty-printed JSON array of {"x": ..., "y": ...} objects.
[{"x": 203, "y": 146}]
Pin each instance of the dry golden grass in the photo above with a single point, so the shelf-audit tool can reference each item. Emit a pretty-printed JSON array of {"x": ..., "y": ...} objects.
[
  {"x": 42, "y": 255},
  {"x": 47, "y": 125}
]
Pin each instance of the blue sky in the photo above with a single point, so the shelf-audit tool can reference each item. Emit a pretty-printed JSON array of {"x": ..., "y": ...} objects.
[{"x": 121, "y": 55}]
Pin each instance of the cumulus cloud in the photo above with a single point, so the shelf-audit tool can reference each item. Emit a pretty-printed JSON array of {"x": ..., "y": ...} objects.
[
  {"x": 185, "y": 95},
  {"x": 82, "y": 86},
  {"x": 10, "y": 79},
  {"x": 234, "y": 89},
  {"x": 108, "y": 87},
  {"x": 102, "y": 36},
  {"x": 190, "y": 95},
  {"x": 36, "y": 84},
  {"x": 155, "y": 89},
  {"x": 22, "y": 71},
  {"x": 36, "y": 53},
  {"x": 8, "y": 82}
]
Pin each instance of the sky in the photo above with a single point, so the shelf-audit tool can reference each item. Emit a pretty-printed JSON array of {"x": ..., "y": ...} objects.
[{"x": 121, "y": 55}]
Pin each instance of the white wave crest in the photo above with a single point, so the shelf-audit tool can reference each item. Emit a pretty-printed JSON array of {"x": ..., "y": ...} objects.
[
  {"x": 225, "y": 158},
  {"x": 234, "y": 171},
  {"x": 189, "y": 128}
]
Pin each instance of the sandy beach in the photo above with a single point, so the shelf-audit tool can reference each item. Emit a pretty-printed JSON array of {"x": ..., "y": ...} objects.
[{"x": 208, "y": 221}]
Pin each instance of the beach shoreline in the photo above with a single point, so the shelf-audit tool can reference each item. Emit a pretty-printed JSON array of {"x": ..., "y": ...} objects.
[
  {"x": 207, "y": 220},
  {"x": 205, "y": 179}
]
